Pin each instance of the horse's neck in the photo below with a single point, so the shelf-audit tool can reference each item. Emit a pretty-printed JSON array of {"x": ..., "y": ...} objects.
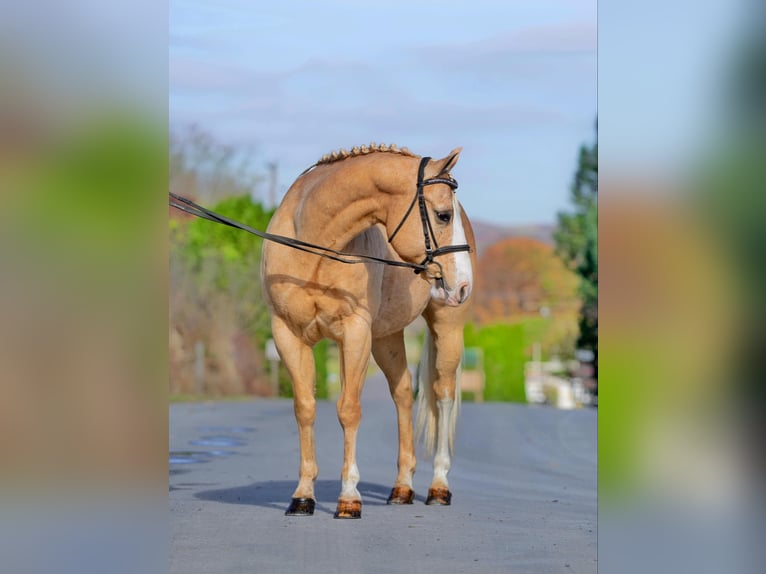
[
  {"x": 332, "y": 218},
  {"x": 338, "y": 226}
]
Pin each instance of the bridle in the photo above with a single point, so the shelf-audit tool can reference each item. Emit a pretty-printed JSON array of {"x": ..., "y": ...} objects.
[
  {"x": 428, "y": 230},
  {"x": 431, "y": 246}
]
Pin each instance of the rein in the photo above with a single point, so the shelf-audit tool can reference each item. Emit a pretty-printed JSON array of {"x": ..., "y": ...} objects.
[{"x": 188, "y": 206}]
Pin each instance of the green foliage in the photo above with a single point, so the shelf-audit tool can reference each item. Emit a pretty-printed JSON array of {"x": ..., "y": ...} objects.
[
  {"x": 503, "y": 360},
  {"x": 577, "y": 241},
  {"x": 92, "y": 192},
  {"x": 747, "y": 86},
  {"x": 320, "y": 359},
  {"x": 226, "y": 260},
  {"x": 226, "y": 263},
  {"x": 731, "y": 176},
  {"x": 216, "y": 293},
  {"x": 238, "y": 248},
  {"x": 506, "y": 350},
  {"x": 632, "y": 363},
  {"x": 285, "y": 383},
  {"x": 321, "y": 353}
]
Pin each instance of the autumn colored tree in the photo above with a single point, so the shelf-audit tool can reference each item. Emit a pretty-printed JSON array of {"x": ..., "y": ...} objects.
[{"x": 521, "y": 277}]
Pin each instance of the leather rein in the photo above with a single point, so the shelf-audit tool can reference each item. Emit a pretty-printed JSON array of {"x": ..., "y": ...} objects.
[{"x": 432, "y": 248}]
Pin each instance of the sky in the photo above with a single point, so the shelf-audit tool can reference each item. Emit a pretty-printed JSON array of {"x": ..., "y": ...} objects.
[
  {"x": 665, "y": 73},
  {"x": 512, "y": 83}
]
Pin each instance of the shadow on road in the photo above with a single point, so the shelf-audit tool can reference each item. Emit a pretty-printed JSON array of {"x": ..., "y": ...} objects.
[{"x": 276, "y": 494}]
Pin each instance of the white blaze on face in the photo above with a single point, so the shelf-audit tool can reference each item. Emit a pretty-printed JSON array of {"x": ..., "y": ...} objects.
[
  {"x": 463, "y": 269},
  {"x": 461, "y": 264}
]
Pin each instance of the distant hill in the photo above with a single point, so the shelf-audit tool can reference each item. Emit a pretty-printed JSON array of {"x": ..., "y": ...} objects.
[{"x": 489, "y": 233}]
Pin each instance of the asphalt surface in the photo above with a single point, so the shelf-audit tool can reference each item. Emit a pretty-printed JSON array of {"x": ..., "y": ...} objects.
[{"x": 523, "y": 483}]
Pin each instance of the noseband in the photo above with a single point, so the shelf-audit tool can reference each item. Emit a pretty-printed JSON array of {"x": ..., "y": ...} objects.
[{"x": 428, "y": 230}]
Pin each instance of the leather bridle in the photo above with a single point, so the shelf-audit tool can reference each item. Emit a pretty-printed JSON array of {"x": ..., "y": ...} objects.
[{"x": 428, "y": 230}]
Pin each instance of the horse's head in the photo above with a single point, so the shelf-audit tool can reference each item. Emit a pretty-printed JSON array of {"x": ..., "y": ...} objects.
[{"x": 433, "y": 230}]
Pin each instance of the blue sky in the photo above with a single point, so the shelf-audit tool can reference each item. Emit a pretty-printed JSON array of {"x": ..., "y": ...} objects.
[
  {"x": 513, "y": 83},
  {"x": 664, "y": 77}
]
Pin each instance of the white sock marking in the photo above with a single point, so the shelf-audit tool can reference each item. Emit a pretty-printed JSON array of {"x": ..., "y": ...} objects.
[
  {"x": 442, "y": 459},
  {"x": 348, "y": 485}
]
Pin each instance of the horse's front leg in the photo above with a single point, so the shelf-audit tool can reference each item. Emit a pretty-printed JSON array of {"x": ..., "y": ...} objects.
[
  {"x": 354, "y": 358},
  {"x": 299, "y": 361},
  {"x": 391, "y": 357},
  {"x": 445, "y": 349}
]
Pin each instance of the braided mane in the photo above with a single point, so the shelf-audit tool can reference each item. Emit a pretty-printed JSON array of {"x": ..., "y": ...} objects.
[{"x": 363, "y": 150}]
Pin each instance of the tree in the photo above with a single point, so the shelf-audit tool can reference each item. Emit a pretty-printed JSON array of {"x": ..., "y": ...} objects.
[
  {"x": 206, "y": 170},
  {"x": 521, "y": 278},
  {"x": 732, "y": 176},
  {"x": 215, "y": 287},
  {"x": 577, "y": 242},
  {"x": 215, "y": 294}
]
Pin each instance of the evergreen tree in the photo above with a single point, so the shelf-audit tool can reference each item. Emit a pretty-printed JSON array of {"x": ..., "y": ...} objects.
[{"x": 577, "y": 242}]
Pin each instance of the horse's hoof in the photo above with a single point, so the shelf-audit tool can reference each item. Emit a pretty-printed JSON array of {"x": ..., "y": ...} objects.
[
  {"x": 301, "y": 507},
  {"x": 439, "y": 495},
  {"x": 349, "y": 509},
  {"x": 401, "y": 495}
]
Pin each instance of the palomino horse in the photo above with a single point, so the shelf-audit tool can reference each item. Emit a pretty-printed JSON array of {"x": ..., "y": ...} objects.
[{"x": 362, "y": 202}]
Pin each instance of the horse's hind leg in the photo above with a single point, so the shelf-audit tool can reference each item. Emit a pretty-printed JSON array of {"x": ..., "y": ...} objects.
[
  {"x": 354, "y": 358},
  {"x": 299, "y": 360},
  {"x": 389, "y": 353}
]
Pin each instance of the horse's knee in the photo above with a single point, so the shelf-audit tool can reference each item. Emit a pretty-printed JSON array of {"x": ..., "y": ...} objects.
[
  {"x": 305, "y": 410},
  {"x": 402, "y": 396},
  {"x": 349, "y": 413}
]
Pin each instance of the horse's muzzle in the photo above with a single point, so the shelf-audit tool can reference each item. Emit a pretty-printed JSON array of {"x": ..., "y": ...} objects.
[{"x": 451, "y": 297}]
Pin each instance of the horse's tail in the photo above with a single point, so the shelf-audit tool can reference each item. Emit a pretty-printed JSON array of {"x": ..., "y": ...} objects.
[{"x": 428, "y": 409}]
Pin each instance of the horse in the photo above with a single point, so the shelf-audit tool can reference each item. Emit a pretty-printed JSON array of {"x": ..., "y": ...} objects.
[{"x": 362, "y": 201}]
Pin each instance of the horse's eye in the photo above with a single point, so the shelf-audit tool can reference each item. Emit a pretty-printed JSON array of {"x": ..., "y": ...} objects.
[{"x": 444, "y": 216}]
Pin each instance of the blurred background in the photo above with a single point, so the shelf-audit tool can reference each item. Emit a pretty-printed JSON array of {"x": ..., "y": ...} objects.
[
  {"x": 532, "y": 336},
  {"x": 515, "y": 86},
  {"x": 681, "y": 118},
  {"x": 83, "y": 286},
  {"x": 87, "y": 297}
]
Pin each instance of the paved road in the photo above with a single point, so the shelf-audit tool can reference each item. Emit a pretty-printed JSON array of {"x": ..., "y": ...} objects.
[{"x": 523, "y": 484}]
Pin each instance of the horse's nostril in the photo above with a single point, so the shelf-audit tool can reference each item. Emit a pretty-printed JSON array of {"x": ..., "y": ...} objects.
[{"x": 462, "y": 292}]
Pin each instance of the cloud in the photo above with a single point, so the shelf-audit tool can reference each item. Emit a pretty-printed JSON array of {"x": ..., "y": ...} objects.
[
  {"x": 521, "y": 100},
  {"x": 557, "y": 38}
]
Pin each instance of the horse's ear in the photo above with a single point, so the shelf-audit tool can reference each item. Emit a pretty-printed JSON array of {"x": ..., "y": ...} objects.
[{"x": 444, "y": 165}]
